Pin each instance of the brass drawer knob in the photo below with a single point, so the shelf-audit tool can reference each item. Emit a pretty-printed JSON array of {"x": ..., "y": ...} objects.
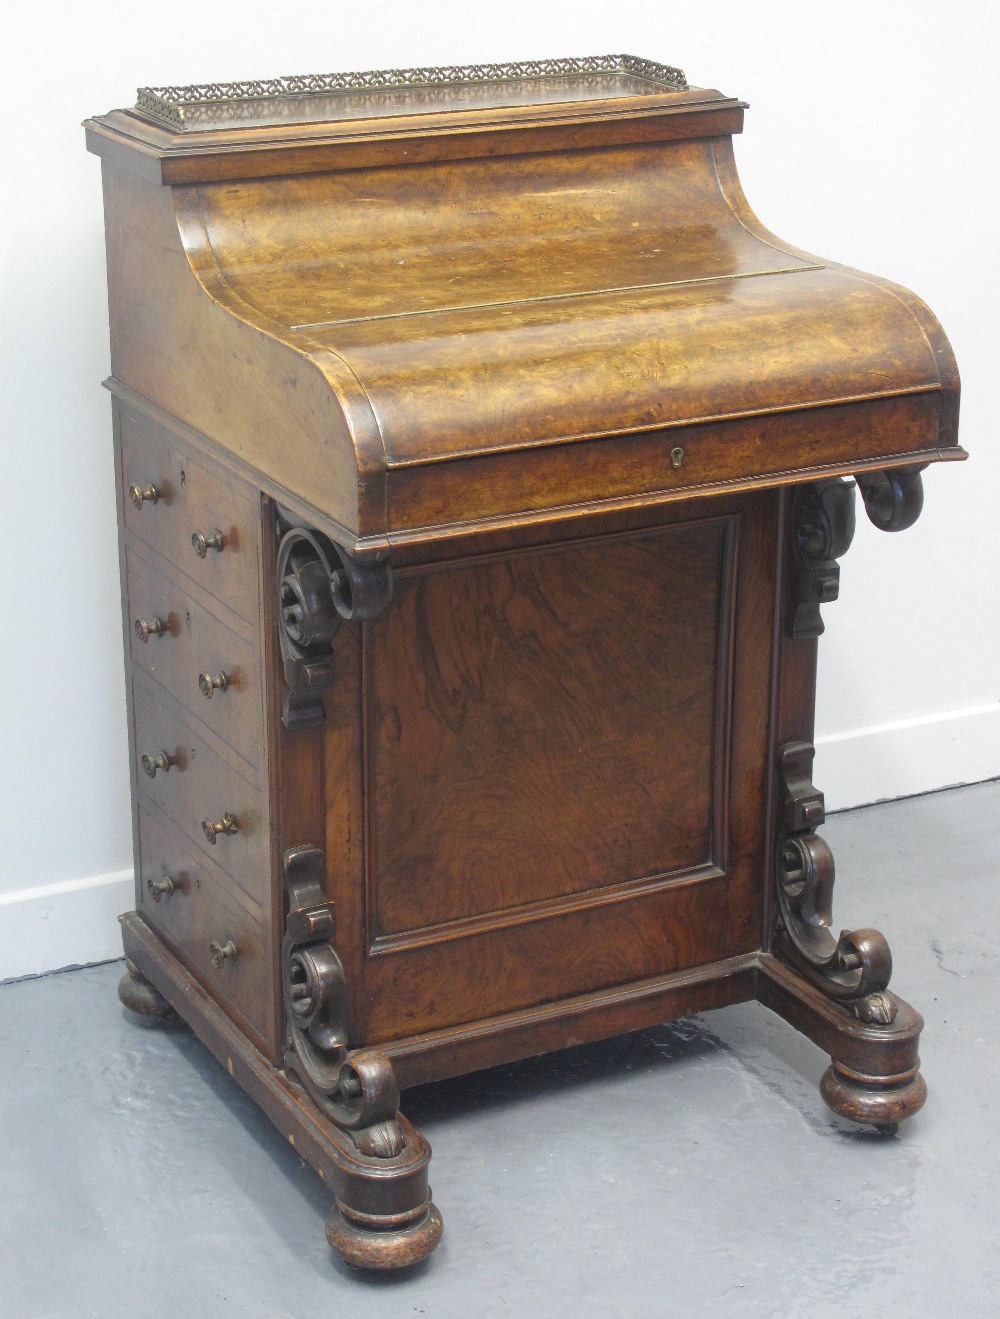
[
  {"x": 222, "y": 952},
  {"x": 210, "y": 683},
  {"x": 163, "y": 761},
  {"x": 227, "y": 825},
  {"x": 150, "y": 627},
  {"x": 202, "y": 543},
  {"x": 139, "y": 496},
  {"x": 162, "y": 888}
]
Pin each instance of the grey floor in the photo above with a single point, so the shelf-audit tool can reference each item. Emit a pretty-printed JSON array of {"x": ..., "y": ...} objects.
[{"x": 686, "y": 1170}]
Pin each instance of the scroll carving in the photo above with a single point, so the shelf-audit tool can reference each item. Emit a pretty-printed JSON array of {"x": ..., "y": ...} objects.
[
  {"x": 856, "y": 968},
  {"x": 823, "y": 523},
  {"x": 319, "y": 585},
  {"x": 357, "y": 1092},
  {"x": 894, "y": 499},
  {"x": 822, "y": 530}
]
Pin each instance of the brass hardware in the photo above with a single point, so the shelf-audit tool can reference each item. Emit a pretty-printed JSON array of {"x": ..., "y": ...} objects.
[
  {"x": 139, "y": 496},
  {"x": 174, "y": 104},
  {"x": 150, "y": 627},
  {"x": 676, "y": 458},
  {"x": 202, "y": 543},
  {"x": 222, "y": 952},
  {"x": 209, "y": 684},
  {"x": 151, "y": 764},
  {"x": 161, "y": 888},
  {"x": 227, "y": 825}
]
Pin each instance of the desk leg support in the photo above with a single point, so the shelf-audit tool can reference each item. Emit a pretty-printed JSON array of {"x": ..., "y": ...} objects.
[
  {"x": 145, "y": 1002},
  {"x": 354, "y": 1092},
  {"x": 833, "y": 989},
  {"x": 874, "y": 1073},
  {"x": 383, "y": 1216}
]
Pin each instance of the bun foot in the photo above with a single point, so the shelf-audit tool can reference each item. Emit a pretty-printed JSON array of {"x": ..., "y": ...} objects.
[
  {"x": 873, "y": 1099},
  {"x": 148, "y": 1004},
  {"x": 368, "y": 1241}
]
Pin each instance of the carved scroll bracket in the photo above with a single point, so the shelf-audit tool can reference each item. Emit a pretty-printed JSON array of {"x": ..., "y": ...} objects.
[
  {"x": 823, "y": 523},
  {"x": 822, "y": 530},
  {"x": 358, "y": 1092},
  {"x": 856, "y": 968},
  {"x": 319, "y": 585}
]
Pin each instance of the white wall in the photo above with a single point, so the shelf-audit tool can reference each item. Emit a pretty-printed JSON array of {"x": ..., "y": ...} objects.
[{"x": 870, "y": 139}]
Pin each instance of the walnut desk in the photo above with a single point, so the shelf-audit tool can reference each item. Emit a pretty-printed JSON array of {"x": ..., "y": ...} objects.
[{"x": 483, "y": 464}]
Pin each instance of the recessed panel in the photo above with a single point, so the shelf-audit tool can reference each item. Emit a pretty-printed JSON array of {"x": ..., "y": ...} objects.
[{"x": 545, "y": 726}]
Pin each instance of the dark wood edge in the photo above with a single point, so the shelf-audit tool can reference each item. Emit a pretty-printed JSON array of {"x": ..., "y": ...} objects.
[
  {"x": 552, "y": 1026},
  {"x": 373, "y": 1186},
  {"x": 886, "y": 1053},
  {"x": 883, "y": 1053},
  {"x": 138, "y": 146},
  {"x": 778, "y": 713}
]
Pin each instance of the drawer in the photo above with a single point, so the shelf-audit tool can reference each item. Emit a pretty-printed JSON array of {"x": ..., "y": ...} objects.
[
  {"x": 190, "y": 501},
  {"x": 192, "y": 643},
  {"x": 190, "y": 910},
  {"x": 199, "y": 786}
]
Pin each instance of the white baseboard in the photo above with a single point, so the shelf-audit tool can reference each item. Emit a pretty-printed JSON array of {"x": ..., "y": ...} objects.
[
  {"x": 908, "y": 757},
  {"x": 62, "y": 925},
  {"x": 71, "y": 924}
]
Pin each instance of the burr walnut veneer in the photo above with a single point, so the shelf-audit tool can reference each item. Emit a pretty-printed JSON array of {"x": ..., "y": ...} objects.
[{"x": 483, "y": 464}]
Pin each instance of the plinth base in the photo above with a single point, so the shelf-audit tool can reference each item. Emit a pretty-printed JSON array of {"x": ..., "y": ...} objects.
[{"x": 383, "y": 1217}]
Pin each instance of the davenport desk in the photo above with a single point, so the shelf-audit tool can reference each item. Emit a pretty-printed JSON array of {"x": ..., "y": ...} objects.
[{"x": 483, "y": 465}]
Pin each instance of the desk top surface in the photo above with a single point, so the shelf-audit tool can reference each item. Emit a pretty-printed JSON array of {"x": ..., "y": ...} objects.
[{"x": 494, "y": 261}]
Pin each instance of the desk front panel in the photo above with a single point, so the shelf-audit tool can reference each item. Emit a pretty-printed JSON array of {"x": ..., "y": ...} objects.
[{"x": 562, "y": 768}]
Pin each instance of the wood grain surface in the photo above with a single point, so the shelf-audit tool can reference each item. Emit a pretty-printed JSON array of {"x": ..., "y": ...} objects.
[
  {"x": 545, "y": 725},
  {"x": 561, "y": 754},
  {"x": 482, "y": 337}
]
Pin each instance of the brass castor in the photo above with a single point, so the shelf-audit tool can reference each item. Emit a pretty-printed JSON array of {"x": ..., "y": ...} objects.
[
  {"x": 148, "y": 1004},
  {"x": 368, "y": 1241},
  {"x": 883, "y": 1102}
]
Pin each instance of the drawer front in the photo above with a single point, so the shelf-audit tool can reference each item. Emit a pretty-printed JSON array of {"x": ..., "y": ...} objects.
[
  {"x": 171, "y": 500},
  {"x": 188, "y": 907},
  {"x": 194, "y": 653},
  {"x": 199, "y": 786}
]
